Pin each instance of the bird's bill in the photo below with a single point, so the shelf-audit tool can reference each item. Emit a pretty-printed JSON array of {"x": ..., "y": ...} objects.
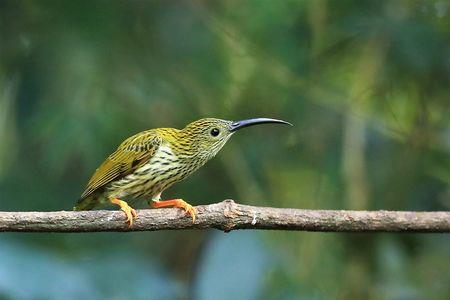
[{"x": 250, "y": 122}]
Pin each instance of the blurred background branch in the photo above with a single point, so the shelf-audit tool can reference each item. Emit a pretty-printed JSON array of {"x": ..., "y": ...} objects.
[{"x": 228, "y": 215}]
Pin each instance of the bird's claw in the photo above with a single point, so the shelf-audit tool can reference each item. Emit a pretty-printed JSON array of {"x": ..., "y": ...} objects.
[
  {"x": 130, "y": 212},
  {"x": 131, "y": 215},
  {"x": 190, "y": 210}
]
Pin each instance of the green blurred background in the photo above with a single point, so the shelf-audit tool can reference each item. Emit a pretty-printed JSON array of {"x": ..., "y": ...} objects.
[{"x": 366, "y": 83}]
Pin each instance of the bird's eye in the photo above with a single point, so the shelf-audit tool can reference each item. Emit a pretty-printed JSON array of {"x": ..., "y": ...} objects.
[{"x": 215, "y": 132}]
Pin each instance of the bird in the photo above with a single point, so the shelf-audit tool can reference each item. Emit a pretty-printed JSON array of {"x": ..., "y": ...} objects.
[{"x": 149, "y": 162}]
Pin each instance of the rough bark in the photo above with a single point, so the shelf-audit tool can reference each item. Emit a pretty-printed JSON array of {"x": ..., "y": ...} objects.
[{"x": 228, "y": 215}]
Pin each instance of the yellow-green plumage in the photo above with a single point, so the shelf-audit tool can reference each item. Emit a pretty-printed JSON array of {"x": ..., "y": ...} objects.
[{"x": 146, "y": 164}]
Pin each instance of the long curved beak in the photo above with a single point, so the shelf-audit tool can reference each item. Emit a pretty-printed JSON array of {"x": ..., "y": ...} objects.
[{"x": 250, "y": 122}]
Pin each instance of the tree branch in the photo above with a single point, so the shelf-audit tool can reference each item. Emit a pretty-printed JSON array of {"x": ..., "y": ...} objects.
[{"x": 228, "y": 215}]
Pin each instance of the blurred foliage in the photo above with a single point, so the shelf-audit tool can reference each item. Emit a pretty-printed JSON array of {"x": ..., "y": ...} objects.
[{"x": 366, "y": 84}]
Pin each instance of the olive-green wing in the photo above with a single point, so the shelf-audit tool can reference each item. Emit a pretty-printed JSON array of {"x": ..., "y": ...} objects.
[{"x": 133, "y": 153}]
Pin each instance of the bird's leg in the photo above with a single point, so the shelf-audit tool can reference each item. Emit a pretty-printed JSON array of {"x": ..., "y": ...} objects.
[
  {"x": 180, "y": 203},
  {"x": 128, "y": 210}
]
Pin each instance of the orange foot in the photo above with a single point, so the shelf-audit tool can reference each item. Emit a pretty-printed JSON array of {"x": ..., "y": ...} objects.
[
  {"x": 128, "y": 210},
  {"x": 177, "y": 203}
]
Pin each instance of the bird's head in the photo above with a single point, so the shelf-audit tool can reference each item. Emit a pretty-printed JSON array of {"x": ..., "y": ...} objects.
[{"x": 207, "y": 136}]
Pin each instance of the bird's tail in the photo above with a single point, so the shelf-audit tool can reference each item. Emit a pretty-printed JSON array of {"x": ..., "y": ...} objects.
[{"x": 87, "y": 203}]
